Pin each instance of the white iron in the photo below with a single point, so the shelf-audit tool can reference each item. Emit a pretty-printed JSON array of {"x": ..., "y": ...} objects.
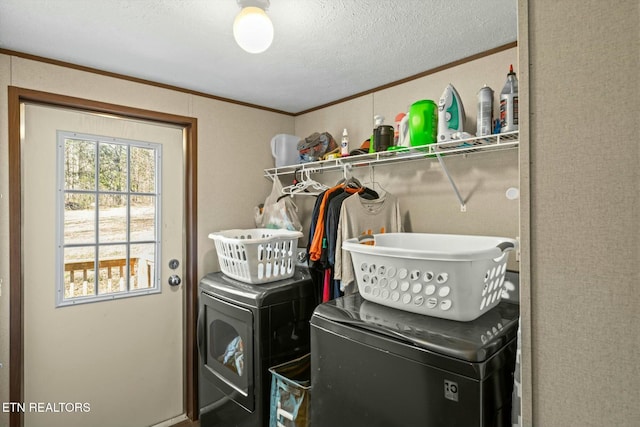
[{"x": 450, "y": 114}]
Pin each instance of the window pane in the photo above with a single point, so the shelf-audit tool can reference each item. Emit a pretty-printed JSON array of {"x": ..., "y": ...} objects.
[
  {"x": 79, "y": 272},
  {"x": 110, "y": 218},
  {"x": 143, "y": 218},
  {"x": 79, "y": 165},
  {"x": 79, "y": 218},
  {"x": 113, "y": 167},
  {"x": 143, "y": 170},
  {"x": 143, "y": 258},
  {"x": 112, "y": 265},
  {"x": 113, "y": 218}
]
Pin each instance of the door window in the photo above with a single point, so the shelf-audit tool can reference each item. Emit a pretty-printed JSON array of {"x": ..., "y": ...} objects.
[{"x": 108, "y": 218}]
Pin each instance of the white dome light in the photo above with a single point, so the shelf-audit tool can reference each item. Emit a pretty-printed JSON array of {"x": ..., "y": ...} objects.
[{"x": 253, "y": 30}]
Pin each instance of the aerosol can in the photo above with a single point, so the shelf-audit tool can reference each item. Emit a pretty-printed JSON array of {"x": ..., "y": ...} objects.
[
  {"x": 509, "y": 103},
  {"x": 485, "y": 111},
  {"x": 450, "y": 114}
]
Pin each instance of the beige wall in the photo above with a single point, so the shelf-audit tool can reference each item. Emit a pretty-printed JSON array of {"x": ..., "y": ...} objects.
[
  {"x": 583, "y": 187},
  {"x": 5, "y": 63},
  {"x": 357, "y": 114},
  {"x": 585, "y": 304},
  {"x": 233, "y": 150},
  {"x": 426, "y": 198}
]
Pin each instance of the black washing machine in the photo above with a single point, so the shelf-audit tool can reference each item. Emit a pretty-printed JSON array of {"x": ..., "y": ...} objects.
[
  {"x": 373, "y": 365},
  {"x": 243, "y": 330}
]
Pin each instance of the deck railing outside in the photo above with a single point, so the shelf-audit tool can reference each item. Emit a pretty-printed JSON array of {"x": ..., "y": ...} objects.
[{"x": 80, "y": 278}]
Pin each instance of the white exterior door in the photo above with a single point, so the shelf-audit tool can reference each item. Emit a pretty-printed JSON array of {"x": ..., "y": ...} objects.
[{"x": 114, "y": 361}]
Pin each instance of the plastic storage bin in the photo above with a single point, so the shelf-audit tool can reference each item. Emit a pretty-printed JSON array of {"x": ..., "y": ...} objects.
[
  {"x": 258, "y": 255},
  {"x": 284, "y": 149},
  {"x": 449, "y": 276},
  {"x": 290, "y": 397}
]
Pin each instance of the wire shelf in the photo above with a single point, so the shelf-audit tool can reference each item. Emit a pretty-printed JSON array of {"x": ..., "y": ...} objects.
[{"x": 441, "y": 149}]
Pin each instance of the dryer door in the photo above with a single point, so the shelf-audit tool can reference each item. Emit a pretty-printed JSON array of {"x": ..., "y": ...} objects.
[{"x": 225, "y": 342}]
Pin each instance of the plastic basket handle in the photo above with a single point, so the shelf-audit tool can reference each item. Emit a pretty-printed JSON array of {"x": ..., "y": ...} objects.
[
  {"x": 505, "y": 246},
  {"x": 366, "y": 239}
]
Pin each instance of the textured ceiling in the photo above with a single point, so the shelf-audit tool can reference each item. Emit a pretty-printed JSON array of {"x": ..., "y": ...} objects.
[{"x": 323, "y": 50}]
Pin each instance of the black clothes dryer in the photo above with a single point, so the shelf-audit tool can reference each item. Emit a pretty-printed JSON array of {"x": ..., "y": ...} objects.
[
  {"x": 373, "y": 365},
  {"x": 243, "y": 330}
]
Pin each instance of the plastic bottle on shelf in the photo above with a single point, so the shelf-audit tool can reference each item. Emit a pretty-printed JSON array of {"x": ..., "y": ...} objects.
[
  {"x": 404, "y": 139},
  {"x": 377, "y": 121},
  {"x": 509, "y": 103},
  {"x": 396, "y": 130},
  {"x": 344, "y": 144}
]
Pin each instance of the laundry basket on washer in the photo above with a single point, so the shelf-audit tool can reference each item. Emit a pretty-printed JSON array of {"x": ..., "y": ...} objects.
[
  {"x": 258, "y": 255},
  {"x": 450, "y": 276}
]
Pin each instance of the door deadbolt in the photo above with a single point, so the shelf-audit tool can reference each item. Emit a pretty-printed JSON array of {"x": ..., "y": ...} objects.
[{"x": 174, "y": 263}]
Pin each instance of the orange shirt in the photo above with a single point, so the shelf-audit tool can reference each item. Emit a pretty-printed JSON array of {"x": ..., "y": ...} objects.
[{"x": 315, "y": 249}]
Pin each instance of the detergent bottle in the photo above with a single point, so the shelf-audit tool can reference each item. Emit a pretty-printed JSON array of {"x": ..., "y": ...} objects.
[
  {"x": 396, "y": 129},
  {"x": 423, "y": 122},
  {"x": 509, "y": 103}
]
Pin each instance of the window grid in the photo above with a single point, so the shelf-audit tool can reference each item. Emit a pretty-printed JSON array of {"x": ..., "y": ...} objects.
[{"x": 99, "y": 244}]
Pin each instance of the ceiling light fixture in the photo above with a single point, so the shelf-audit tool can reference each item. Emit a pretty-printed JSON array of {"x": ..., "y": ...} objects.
[{"x": 252, "y": 28}]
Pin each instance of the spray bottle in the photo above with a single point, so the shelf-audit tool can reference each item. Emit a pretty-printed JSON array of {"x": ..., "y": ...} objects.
[
  {"x": 509, "y": 103},
  {"x": 344, "y": 144}
]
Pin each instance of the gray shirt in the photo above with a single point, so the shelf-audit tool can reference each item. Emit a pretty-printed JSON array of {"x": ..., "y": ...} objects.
[{"x": 359, "y": 216}]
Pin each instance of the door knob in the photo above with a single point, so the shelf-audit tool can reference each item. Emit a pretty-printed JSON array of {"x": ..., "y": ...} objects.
[{"x": 174, "y": 280}]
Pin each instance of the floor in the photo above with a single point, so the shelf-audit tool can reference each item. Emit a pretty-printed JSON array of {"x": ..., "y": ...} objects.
[{"x": 188, "y": 423}]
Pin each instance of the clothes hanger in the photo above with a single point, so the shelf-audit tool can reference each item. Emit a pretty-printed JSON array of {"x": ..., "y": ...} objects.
[
  {"x": 374, "y": 185},
  {"x": 304, "y": 186},
  {"x": 348, "y": 180}
]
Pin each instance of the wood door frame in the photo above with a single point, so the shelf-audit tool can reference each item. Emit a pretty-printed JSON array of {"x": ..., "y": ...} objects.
[{"x": 19, "y": 95}]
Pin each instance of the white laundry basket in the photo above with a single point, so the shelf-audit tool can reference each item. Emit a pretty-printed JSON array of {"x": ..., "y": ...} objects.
[
  {"x": 258, "y": 255},
  {"x": 450, "y": 276}
]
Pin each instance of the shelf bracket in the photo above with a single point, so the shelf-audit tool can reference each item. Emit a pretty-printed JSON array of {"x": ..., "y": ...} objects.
[{"x": 463, "y": 206}]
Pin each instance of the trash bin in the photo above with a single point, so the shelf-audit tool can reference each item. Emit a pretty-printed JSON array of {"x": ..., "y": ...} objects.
[{"x": 290, "y": 393}]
